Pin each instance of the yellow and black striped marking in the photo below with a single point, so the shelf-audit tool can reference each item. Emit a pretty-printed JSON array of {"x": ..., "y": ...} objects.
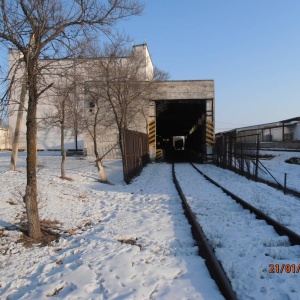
[
  {"x": 210, "y": 134},
  {"x": 158, "y": 154},
  {"x": 152, "y": 133}
]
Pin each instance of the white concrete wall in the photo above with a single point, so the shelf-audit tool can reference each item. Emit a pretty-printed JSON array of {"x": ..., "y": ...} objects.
[
  {"x": 46, "y": 139},
  {"x": 54, "y": 73},
  {"x": 147, "y": 70},
  {"x": 276, "y": 134},
  {"x": 297, "y": 133},
  {"x": 4, "y": 139},
  {"x": 84, "y": 71},
  {"x": 185, "y": 89}
]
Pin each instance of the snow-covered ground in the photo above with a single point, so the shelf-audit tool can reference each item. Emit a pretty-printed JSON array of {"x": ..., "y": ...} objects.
[
  {"x": 283, "y": 208},
  {"x": 90, "y": 261},
  {"x": 278, "y": 167},
  {"x": 245, "y": 246}
]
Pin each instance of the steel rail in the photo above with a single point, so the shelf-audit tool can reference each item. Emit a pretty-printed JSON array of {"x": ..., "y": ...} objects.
[
  {"x": 279, "y": 228},
  {"x": 215, "y": 269}
]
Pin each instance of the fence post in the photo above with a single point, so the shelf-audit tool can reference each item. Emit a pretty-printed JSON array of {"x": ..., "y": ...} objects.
[
  {"x": 284, "y": 187},
  {"x": 124, "y": 158},
  {"x": 235, "y": 156},
  {"x": 242, "y": 160},
  {"x": 257, "y": 158},
  {"x": 224, "y": 152},
  {"x": 230, "y": 153}
]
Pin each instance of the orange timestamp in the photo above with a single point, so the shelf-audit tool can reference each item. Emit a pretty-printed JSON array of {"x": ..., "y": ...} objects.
[{"x": 284, "y": 268}]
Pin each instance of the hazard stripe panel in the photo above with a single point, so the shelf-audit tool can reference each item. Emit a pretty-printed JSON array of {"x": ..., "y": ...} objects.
[
  {"x": 210, "y": 127},
  {"x": 210, "y": 133},
  {"x": 152, "y": 132},
  {"x": 158, "y": 154}
]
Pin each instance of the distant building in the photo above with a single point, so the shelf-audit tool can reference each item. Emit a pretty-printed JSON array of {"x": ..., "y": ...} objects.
[{"x": 281, "y": 134}]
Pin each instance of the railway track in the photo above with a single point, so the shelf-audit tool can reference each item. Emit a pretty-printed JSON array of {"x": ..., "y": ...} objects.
[
  {"x": 279, "y": 228},
  {"x": 206, "y": 250}
]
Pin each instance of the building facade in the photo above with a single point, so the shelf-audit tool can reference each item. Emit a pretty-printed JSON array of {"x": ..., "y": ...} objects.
[
  {"x": 173, "y": 108},
  {"x": 281, "y": 134}
]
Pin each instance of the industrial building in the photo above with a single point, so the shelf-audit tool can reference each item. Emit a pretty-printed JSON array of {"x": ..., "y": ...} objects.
[
  {"x": 283, "y": 134},
  {"x": 180, "y": 114},
  {"x": 183, "y": 111}
]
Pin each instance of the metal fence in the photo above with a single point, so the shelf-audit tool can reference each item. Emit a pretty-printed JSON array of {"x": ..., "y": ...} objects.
[
  {"x": 111, "y": 151},
  {"x": 136, "y": 153},
  {"x": 237, "y": 154}
]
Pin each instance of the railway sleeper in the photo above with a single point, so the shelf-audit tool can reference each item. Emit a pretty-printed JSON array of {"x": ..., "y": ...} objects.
[
  {"x": 294, "y": 238},
  {"x": 214, "y": 267}
]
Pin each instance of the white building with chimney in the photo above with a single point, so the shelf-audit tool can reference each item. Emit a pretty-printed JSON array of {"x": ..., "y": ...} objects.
[
  {"x": 60, "y": 73},
  {"x": 178, "y": 112}
]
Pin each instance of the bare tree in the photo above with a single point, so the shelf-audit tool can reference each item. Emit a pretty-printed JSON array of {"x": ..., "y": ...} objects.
[
  {"x": 75, "y": 107},
  {"x": 98, "y": 120},
  {"x": 64, "y": 109},
  {"x": 56, "y": 117},
  {"x": 125, "y": 80},
  {"x": 34, "y": 27},
  {"x": 3, "y": 123}
]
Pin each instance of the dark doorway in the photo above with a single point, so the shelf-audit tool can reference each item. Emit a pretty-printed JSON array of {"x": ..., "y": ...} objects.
[{"x": 181, "y": 118}]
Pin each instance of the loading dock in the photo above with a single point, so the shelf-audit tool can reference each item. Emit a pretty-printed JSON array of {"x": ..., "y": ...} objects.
[{"x": 182, "y": 121}]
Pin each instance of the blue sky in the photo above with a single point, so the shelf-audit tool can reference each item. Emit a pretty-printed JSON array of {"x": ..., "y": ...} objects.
[{"x": 251, "y": 48}]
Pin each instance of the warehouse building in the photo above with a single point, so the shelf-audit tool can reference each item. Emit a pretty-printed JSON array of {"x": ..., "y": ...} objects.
[
  {"x": 179, "y": 118},
  {"x": 281, "y": 134}
]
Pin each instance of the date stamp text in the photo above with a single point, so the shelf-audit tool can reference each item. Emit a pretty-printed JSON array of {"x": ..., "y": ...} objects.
[{"x": 284, "y": 268}]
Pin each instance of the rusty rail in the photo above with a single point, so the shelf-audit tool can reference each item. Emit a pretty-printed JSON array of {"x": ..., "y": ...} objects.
[
  {"x": 294, "y": 238},
  {"x": 214, "y": 267}
]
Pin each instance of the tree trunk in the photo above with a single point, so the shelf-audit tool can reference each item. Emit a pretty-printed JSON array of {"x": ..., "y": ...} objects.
[
  {"x": 125, "y": 174},
  {"x": 76, "y": 140},
  {"x": 100, "y": 167},
  {"x": 15, "y": 145},
  {"x": 101, "y": 171},
  {"x": 63, "y": 159},
  {"x": 34, "y": 228},
  {"x": 63, "y": 152}
]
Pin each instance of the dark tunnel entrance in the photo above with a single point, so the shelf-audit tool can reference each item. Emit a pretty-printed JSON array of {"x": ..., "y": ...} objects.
[{"x": 180, "y": 129}]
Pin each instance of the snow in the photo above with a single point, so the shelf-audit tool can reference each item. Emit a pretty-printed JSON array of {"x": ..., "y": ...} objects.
[
  {"x": 283, "y": 208},
  {"x": 90, "y": 261},
  {"x": 277, "y": 167},
  {"x": 245, "y": 246}
]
